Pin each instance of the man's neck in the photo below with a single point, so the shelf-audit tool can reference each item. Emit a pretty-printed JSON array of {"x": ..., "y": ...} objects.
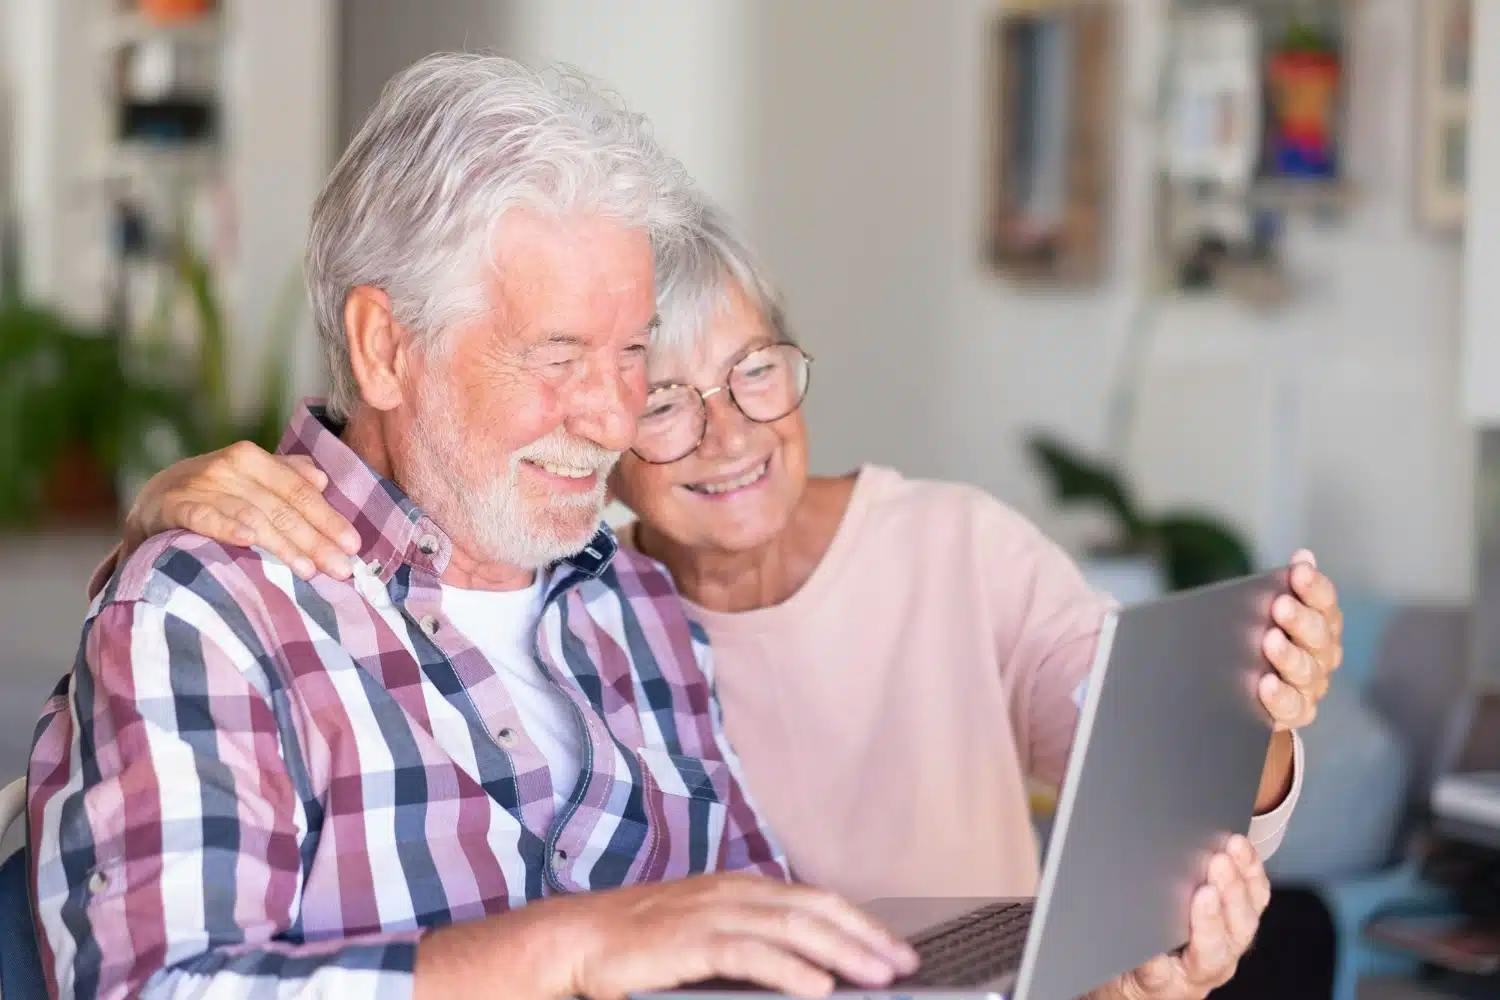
[{"x": 368, "y": 435}]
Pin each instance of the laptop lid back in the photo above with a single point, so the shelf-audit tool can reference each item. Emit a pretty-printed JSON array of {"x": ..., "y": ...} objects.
[{"x": 1166, "y": 762}]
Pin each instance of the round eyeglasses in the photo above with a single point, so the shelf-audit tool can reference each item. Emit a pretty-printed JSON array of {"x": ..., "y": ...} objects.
[{"x": 764, "y": 385}]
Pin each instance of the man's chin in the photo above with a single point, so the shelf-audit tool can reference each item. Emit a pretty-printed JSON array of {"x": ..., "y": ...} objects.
[{"x": 547, "y": 544}]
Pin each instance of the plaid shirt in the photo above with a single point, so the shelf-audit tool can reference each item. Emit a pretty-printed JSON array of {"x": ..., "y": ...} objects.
[{"x": 251, "y": 785}]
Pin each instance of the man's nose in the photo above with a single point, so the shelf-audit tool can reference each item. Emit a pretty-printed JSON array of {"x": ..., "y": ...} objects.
[{"x": 608, "y": 404}]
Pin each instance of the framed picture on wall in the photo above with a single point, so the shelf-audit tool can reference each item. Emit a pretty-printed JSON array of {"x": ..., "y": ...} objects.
[
  {"x": 1443, "y": 93},
  {"x": 1053, "y": 106}
]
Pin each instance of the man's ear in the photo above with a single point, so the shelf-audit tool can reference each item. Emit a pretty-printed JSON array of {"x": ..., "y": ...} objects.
[{"x": 377, "y": 346}]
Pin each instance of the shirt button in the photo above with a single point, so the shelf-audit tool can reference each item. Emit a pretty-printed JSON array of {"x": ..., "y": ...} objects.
[
  {"x": 428, "y": 544},
  {"x": 429, "y": 624},
  {"x": 98, "y": 882},
  {"x": 507, "y": 737},
  {"x": 559, "y": 857},
  {"x": 374, "y": 566}
]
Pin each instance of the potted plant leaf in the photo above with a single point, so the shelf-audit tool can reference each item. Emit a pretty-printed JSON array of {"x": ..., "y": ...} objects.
[
  {"x": 200, "y": 378},
  {"x": 1192, "y": 548},
  {"x": 83, "y": 411}
]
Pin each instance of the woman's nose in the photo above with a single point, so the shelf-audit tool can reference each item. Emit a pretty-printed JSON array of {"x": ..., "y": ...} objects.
[{"x": 727, "y": 428}]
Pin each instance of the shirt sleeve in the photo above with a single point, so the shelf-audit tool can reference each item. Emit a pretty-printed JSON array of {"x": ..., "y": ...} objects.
[
  {"x": 1049, "y": 633},
  {"x": 168, "y": 859},
  {"x": 1268, "y": 829},
  {"x": 747, "y": 843},
  {"x": 103, "y": 572}
]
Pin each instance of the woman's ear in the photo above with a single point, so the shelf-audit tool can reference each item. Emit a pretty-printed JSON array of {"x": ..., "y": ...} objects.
[{"x": 377, "y": 344}]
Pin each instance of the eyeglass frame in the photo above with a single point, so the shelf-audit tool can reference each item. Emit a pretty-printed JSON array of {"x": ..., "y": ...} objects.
[{"x": 724, "y": 386}]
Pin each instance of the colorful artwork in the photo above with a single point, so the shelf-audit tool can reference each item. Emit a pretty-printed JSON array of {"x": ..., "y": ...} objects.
[{"x": 1304, "y": 91}]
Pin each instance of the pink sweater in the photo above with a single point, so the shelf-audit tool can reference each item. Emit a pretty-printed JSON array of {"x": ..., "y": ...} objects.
[{"x": 889, "y": 713}]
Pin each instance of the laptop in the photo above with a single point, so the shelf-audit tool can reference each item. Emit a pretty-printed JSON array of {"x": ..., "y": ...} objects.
[{"x": 1167, "y": 758}]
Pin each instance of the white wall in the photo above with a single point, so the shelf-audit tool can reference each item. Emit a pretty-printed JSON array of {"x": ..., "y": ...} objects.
[
  {"x": 683, "y": 62},
  {"x": 379, "y": 37},
  {"x": 848, "y": 138},
  {"x": 281, "y": 83},
  {"x": 56, "y": 191},
  {"x": 1336, "y": 421},
  {"x": 1482, "y": 251}
]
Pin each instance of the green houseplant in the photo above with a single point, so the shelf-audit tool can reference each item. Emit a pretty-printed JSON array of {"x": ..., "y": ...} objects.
[
  {"x": 57, "y": 380},
  {"x": 202, "y": 378},
  {"x": 67, "y": 414},
  {"x": 82, "y": 409},
  {"x": 1193, "y": 548}
]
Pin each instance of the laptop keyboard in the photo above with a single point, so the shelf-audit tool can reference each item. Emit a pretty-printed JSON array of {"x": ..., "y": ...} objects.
[{"x": 973, "y": 948}]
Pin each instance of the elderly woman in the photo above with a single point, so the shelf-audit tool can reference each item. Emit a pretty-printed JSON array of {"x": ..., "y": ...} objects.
[{"x": 895, "y": 657}]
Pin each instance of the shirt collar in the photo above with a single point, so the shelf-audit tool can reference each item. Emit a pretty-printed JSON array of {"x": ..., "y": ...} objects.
[{"x": 392, "y": 528}]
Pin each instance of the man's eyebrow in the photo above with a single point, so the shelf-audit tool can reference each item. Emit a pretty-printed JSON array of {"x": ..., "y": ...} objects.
[{"x": 560, "y": 338}]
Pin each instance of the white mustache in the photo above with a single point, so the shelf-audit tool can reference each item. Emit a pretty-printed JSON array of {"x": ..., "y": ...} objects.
[{"x": 563, "y": 449}]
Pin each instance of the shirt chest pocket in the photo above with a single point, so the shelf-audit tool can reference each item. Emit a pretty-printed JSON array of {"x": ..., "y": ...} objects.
[{"x": 688, "y": 800}]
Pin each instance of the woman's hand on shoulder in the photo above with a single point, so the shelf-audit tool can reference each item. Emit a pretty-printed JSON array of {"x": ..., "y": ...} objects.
[{"x": 243, "y": 495}]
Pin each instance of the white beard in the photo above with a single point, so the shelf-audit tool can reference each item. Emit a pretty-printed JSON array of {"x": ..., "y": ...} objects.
[{"x": 494, "y": 517}]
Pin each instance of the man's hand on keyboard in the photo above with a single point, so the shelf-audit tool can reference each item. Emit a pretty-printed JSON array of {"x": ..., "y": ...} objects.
[
  {"x": 1225, "y": 915},
  {"x": 790, "y": 939}
]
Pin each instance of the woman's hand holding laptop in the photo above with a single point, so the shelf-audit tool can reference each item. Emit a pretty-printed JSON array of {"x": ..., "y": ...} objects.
[
  {"x": 1305, "y": 647},
  {"x": 1225, "y": 914}
]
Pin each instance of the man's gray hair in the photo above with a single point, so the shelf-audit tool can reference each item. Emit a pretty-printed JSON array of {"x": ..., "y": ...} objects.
[
  {"x": 454, "y": 142},
  {"x": 695, "y": 277}
]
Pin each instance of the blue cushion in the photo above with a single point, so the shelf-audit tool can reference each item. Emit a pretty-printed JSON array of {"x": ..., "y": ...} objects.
[
  {"x": 1366, "y": 619},
  {"x": 20, "y": 962},
  {"x": 1353, "y": 794}
]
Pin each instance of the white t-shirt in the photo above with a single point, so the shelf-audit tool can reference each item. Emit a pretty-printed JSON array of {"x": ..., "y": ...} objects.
[{"x": 502, "y": 625}]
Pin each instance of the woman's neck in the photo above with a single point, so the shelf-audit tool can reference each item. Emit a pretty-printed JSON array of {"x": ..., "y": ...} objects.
[{"x": 766, "y": 575}]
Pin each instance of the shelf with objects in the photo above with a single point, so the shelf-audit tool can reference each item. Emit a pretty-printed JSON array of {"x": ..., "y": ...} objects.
[
  {"x": 1459, "y": 944},
  {"x": 1254, "y": 112}
]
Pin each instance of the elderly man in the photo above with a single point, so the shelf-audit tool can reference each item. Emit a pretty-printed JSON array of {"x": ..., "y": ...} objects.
[{"x": 252, "y": 784}]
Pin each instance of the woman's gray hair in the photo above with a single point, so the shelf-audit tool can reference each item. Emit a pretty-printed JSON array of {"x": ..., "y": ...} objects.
[
  {"x": 694, "y": 279},
  {"x": 454, "y": 142}
]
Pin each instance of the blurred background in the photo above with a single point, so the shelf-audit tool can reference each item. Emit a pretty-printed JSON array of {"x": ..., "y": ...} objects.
[{"x": 1191, "y": 284}]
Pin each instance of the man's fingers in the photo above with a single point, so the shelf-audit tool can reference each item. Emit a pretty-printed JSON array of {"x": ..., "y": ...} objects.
[
  {"x": 846, "y": 916},
  {"x": 815, "y": 939},
  {"x": 777, "y": 969}
]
